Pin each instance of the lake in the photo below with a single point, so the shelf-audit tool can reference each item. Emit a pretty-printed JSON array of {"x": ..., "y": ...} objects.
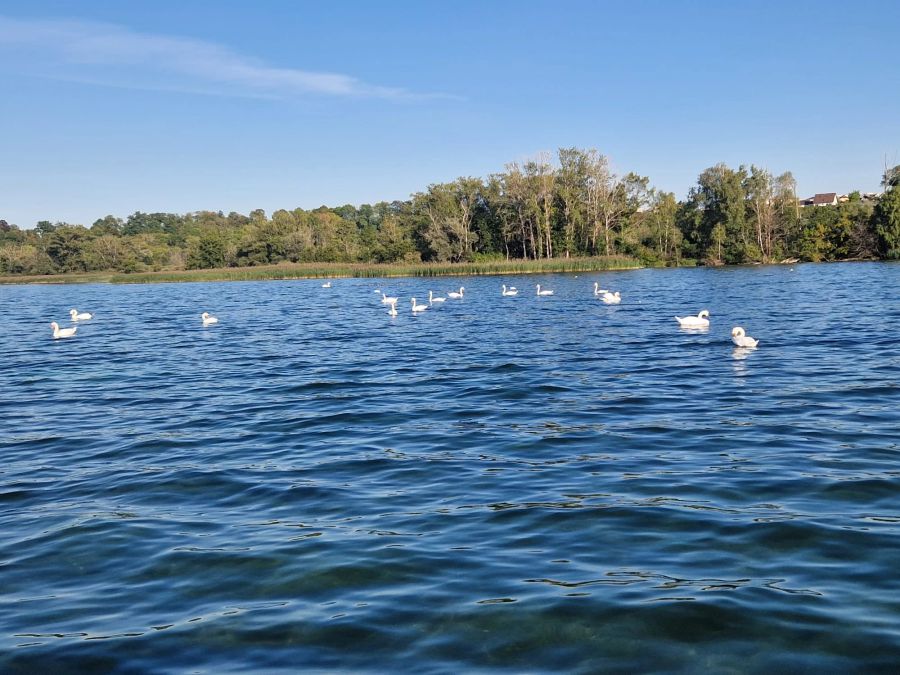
[{"x": 497, "y": 484}]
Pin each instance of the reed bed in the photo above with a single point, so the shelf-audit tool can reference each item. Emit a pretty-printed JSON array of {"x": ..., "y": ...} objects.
[{"x": 346, "y": 270}]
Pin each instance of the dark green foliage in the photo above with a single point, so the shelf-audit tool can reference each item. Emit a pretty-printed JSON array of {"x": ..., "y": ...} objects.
[
  {"x": 536, "y": 210},
  {"x": 886, "y": 221}
]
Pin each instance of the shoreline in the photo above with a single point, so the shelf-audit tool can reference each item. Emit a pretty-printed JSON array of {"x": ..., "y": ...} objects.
[{"x": 293, "y": 271}]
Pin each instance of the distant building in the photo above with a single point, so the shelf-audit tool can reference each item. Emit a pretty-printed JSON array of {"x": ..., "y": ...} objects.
[
  {"x": 833, "y": 199},
  {"x": 825, "y": 199}
]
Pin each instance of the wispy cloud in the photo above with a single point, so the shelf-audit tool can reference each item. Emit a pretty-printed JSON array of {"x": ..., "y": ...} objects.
[{"x": 115, "y": 55}]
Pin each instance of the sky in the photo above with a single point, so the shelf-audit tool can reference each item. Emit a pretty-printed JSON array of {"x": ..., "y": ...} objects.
[{"x": 113, "y": 107}]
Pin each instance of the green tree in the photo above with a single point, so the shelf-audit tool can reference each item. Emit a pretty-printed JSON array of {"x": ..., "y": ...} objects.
[
  {"x": 886, "y": 221},
  {"x": 205, "y": 252},
  {"x": 65, "y": 247}
]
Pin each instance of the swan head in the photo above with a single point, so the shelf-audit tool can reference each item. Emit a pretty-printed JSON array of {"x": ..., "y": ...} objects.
[
  {"x": 737, "y": 331},
  {"x": 73, "y": 312},
  {"x": 413, "y": 301},
  {"x": 704, "y": 314},
  {"x": 54, "y": 325},
  {"x": 205, "y": 315}
]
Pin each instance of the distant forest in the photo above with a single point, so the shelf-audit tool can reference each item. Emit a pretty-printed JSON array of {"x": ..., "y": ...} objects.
[{"x": 575, "y": 206}]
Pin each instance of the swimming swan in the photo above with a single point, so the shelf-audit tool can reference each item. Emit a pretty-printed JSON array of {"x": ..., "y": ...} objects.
[
  {"x": 432, "y": 298},
  {"x": 455, "y": 295},
  {"x": 699, "y": 321},
  {"x": 540, "y": 292},
  {"x": 83, "y": 316},
  {"x": 512, "y": 291},
  {"x": 612, "y": 298},
  {"x": 62, "y": 332},
  {"x": 418, "y": 308},
  {"x": 387, "y": 300},
  {"x": 208, "y": 319},
  {"x": 741, "y": 339},
  {"x": 393, "y": 310},
  {"x": 598, "y": 290},
  {"x": 327, "y": 284}
]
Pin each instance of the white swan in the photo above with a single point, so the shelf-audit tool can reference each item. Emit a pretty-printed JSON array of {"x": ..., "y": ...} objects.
[
  {"x": 418, "y": 308},
  {"x": 612, "y": 298},
  {"x": 327, "y": 284},
  {"x": 82, "y": 316},
  {"x": 540, "y": 292},
  {"x": 387, "y": 300},
  {"x": 393, "y": 310},
  {"x": 455, "y": 295},
  {"x": 62, "y": 332},
  {"x": 512, "y": 291},
  {"x": 433, "y": 298},
  {"x": 598, "y": 290},
  {"x": 741, "y": 339},
  {"x": 699, "y": 321},
  {"x": 208, "y": 319}
]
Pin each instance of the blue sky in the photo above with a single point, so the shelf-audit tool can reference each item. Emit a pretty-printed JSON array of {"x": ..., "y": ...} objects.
[{"x": 113, "y": 107}]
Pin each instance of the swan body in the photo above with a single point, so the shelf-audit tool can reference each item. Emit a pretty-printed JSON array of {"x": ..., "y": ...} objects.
[
  {"x": 544, "y": 292},
  {"x": 418, "y": 308},
  {"x": 699, "y": 321},
  {"x": 80, "y": 316},
  {"x": 62, "y": 332},
  {"x": 511, "y": 291},
  {"x": 612, "y": 298},
  {"x": 387, "y": 300},
  {"x": 327, "y": 284},
  {"x": 433, "y": 298},
  {"x": 455, "y": 295},
  {"x": 393, "y": 310},
  {"x": 208, "y": 319},
  {"x": 741, "y": 339}
]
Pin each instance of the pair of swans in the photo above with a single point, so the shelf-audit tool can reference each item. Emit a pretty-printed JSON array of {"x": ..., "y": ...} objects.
[
  {"x": 508, "y": 293},
  {"x": 75, "y": 316},
  {"x": 208, "y": 319},
  {"x": 608, "y": 297},
  {"x": 738, "y": 336}
]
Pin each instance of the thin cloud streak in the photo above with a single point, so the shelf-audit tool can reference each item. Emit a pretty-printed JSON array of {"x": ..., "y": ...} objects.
[{"x": 104, "y": 53}]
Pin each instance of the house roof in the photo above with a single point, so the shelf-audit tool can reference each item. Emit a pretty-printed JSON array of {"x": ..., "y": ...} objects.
[{"x": 824, "y": 198}]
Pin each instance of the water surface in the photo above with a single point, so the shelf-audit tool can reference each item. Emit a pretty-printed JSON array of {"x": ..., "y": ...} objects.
[{"x": 520, "y": 484}]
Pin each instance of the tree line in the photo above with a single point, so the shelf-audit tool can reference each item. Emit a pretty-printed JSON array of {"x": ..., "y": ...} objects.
[{"x": 573, "y": 206}]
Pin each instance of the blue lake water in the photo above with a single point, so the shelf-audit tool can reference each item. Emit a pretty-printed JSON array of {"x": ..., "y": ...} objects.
[{"x": 510, "y": 484}]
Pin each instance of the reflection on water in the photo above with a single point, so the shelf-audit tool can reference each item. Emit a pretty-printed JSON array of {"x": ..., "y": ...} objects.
[{"x": 519, "y": 484}]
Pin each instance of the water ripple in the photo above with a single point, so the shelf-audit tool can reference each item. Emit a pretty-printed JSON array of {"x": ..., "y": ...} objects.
[{"x": 532, "y": 485}]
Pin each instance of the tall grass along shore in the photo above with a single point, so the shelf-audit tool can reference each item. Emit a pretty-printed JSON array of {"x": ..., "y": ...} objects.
[{"x": 338, "y": 270}]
